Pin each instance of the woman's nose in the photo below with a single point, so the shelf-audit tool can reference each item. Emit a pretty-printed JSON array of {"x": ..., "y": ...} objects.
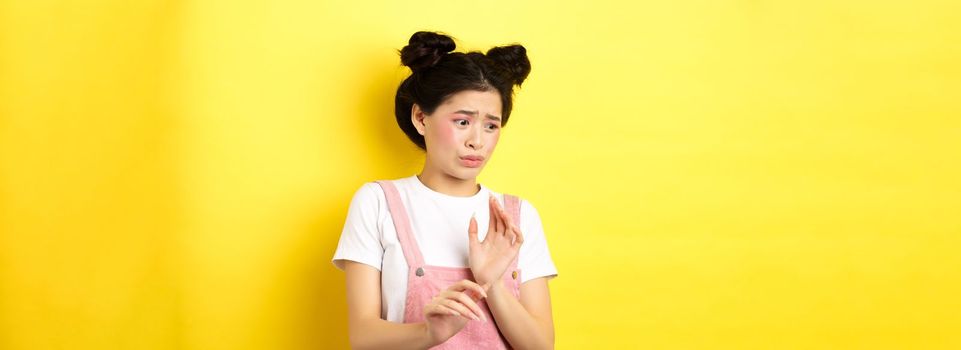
[{"x": 474, "y": 141}]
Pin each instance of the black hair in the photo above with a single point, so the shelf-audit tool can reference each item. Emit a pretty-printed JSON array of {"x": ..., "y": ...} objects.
[{"x": 438, "y": 73}]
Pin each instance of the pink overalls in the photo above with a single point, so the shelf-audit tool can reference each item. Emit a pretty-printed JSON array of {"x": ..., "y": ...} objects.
[{"x": 425, "y": 281}]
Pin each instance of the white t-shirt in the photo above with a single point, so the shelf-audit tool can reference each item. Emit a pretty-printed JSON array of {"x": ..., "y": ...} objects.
[{"x": 439, "y": 224}]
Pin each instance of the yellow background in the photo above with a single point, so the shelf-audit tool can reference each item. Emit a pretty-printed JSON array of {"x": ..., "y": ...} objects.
[{"x": 711, "y": 174}]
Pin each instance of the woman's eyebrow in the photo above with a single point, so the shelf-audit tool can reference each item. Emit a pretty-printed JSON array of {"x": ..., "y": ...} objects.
[{"x": 474, "y": 114}]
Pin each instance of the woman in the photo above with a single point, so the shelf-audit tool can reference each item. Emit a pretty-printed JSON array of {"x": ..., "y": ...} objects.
[{"x": 436, "y": 259}]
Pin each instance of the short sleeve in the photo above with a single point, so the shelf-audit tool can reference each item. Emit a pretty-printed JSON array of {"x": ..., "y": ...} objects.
[
  {"x": 535, "y": 258},
  {"x": 360, "y": 239}
]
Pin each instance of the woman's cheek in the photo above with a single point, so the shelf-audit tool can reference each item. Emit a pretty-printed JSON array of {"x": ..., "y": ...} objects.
[
  {"x": 446, "y": 134},
  {"x": 495, "y": 136}
]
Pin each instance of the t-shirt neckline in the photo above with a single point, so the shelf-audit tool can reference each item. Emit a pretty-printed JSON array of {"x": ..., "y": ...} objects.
[{"x": 482, "y": 193}]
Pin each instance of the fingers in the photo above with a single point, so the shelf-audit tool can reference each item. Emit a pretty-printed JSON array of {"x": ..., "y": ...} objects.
[
  {"x": 456, "y": 301},
  {"x": 511, "y": 230},
  {"x": 520, "y": 236},
  {"x": 463, "y": 309},
  {"x": 508, "y": 220},
  {"x": 510, "y": 234},
  {"x": 492, "y": 224},
  {"x": 505, "y": 223},
  {"x": 497, "y": 214},
  {"x": 441, "y": 310},
  {"x": 502, "y": 223},
  {"x": 472, "y": 229},
  {"x": 463, "y": 303},
  {"x": 465, "y": 285}
]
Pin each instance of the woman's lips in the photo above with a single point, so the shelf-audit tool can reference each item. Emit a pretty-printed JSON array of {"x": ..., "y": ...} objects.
[{"x": 471, "y": 162}]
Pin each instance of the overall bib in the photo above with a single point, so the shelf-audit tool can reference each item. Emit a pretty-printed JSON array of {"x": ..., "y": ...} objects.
[{"x": 426, "y": 281}]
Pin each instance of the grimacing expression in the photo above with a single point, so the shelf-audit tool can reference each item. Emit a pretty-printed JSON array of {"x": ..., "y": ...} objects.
[{"x": 462, "y": 132}]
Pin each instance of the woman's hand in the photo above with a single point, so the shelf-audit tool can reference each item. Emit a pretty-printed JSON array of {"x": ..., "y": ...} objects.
[
  {"x": 491, "y": 258},
  {"x": 448, "y": 312}
]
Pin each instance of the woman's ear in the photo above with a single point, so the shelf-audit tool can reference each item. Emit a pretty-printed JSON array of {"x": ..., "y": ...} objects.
[{"x": 417, "y": 118}]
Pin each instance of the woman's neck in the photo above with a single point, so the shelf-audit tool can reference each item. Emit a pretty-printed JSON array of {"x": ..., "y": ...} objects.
[{"x": 446, "y": 184}]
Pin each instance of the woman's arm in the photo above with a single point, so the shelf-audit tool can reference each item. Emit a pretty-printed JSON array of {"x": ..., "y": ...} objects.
[
  {"x": 526, "y": 323},
  {"x": 367, "y": 329}
]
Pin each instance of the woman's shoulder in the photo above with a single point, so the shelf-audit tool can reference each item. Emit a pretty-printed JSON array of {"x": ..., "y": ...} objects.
[
  {"x": 528, "y": 210},
  {"x": 368, "y": 193},
  {"x": 373, "y": 190}
]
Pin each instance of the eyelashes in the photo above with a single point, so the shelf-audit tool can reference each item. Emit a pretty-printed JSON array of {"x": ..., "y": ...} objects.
[{"x": 465, "y": 122}]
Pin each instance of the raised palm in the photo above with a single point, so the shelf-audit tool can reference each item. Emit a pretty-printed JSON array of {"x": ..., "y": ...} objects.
[{"x": 491, "y": 258}]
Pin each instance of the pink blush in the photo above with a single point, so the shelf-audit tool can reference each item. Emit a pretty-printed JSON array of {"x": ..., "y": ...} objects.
[{"x": 446, "y": 133}]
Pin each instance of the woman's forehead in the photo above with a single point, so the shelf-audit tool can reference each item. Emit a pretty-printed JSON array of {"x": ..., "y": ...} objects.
[{"x": 480, "y": 102}]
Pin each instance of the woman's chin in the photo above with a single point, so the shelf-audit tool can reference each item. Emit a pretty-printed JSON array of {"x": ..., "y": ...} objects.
[{"x": 465, "y": 173}]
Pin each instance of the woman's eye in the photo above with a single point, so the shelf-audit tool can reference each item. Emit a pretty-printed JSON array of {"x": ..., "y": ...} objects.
[
  {"x": 461, "y": 122},
  {"x": 492, "y": 126}
]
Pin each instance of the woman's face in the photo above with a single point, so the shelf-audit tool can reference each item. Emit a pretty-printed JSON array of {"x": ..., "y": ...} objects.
[{"x": 461, "y": 133}]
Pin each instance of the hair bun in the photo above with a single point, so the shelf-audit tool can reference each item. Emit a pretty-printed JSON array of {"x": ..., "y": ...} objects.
[
  {"x": 424, "y": 50},
  {"x": 513, "y": 58}
]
